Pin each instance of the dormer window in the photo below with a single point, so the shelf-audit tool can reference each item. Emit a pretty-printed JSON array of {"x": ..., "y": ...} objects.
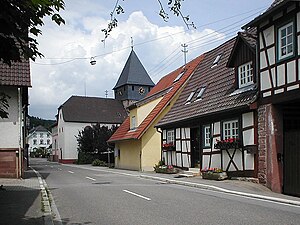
[
  {"x": 188, "y": 101},
  {"x": 245, "y": 74},
  {"x": 179, "y": 76},
  {"x": 216, "y": 61},
  {"x": 201, "y": 91},
  {"x": 133, "y": 122},
  {"x": 286, "y": 41}
]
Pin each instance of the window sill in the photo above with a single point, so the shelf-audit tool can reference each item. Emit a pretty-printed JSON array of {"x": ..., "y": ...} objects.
[{"x": 244, "y": 89}]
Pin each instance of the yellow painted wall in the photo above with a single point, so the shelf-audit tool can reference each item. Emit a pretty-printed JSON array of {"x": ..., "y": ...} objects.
[
  {"x": 129, "y": 157},
  {"x": 151, "y": 142},
  {"x": 144, "y": 110}
]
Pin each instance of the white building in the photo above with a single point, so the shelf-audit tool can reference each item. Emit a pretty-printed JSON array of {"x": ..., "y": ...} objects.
[{"x": 39, "y": 137}]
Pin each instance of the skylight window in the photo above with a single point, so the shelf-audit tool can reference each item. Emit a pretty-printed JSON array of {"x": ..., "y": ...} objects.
[
  {"x": 188, "y": 101},
  {"x": 179, "y": 76},
  {"x": 201, "y": 91},
  {"x": 216, "y": 61}
]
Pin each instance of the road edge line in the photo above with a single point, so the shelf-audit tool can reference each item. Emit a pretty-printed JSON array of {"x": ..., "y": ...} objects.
[{"x": 214, "y": 188}]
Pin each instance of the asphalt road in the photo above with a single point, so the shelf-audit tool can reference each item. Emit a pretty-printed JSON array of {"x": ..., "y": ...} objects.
[{"x": 106, "y": 198}]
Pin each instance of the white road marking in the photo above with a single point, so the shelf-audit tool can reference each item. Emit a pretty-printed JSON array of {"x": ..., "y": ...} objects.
[
  {"x": 137, "y": 195},
  {"x": 70, "y": 171},
  {"x": 90, "y": 178}
]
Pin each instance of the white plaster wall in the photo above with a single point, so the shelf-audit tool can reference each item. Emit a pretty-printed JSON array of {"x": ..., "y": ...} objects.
[
  {"x": 265, "y": 82},
  {"x": 281, "y": 75},
  {"x": 217, "y": 128},
  {"x": 237, "y": 160},
  {"x": 263, "y": 60},
  {"x": 9, "y": 127},
  {"x": 71, "y": 130},
  {"x": 249, "y": 161},
  {"x": 291, "y": 72},
  {"x": 248, "y": 119},
  {"x": 269, "y": 35},
  {"x": 272, "y": 56},
  {"x": 298, "y": 22},
  {"x": 248, "y": 137}
]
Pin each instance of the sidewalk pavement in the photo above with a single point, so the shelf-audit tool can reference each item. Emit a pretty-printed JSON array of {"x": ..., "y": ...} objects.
[
  {"x": 235, "y": 187},
  {"x": 20, "y": 201}
]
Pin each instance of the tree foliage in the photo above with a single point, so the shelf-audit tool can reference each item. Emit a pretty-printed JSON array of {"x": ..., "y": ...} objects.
[
  {"x": 173, "y": 5},
  {"x": 4, "y": 105},
  {"x": 20, "y": 22},
  {"x": 93, "y": 139}
]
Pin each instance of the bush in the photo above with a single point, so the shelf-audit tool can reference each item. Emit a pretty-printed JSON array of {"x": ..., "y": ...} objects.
[
  {"x": 84, "y": 158},
  {"x": 98, "y": 162}
]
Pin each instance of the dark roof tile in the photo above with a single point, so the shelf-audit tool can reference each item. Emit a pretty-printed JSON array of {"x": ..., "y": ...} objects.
[
  {"x": 16, "y": 75},
  {"x": 219, "y": 83},
  {"x": 93, "y": 110}
]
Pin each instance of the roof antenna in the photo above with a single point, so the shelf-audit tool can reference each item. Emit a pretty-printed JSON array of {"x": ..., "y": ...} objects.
[
  {"x": 185, "y": 51},
  {"x": 131, "y": 43},
  {"x": 106, "y": 93}
]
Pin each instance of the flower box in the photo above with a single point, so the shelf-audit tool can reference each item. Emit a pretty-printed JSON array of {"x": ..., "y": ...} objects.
[
  {"x": 168, "y": 147},
  {"x": 231, "y": 143},
  {"x": 165, "y": 169},
  {"x": 214, "y": 176}
]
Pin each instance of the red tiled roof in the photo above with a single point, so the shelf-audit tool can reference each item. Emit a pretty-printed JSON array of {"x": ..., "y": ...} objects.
[
  {"x": 124, "y": 132},
  {"x": 16, "y": 75}
]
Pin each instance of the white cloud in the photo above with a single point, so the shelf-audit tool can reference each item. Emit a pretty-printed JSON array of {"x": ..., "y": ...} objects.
[{"x": 81, "y": 38}]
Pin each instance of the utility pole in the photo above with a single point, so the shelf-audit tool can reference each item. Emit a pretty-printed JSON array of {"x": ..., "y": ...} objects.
[
  {"x": 106, "y": 93},
  {"x": 185, "y": 51}
]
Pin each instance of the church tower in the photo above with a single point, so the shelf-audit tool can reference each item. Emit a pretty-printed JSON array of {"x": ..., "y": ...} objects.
[{"x": 134, "y": 82}]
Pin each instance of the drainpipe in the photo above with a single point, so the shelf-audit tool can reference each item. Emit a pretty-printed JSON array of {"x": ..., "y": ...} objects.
[
  {"x": 20, "y": 131},
  {"x": 160, "y": 131}
]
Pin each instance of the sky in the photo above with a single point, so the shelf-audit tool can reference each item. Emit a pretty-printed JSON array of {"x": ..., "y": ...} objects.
[{"x": 65, "y": 69}]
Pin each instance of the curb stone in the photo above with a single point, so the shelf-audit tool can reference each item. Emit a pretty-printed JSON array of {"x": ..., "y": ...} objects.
[
  {"x": 214, "y": 188},
  {"x": 47, "y": 212}
]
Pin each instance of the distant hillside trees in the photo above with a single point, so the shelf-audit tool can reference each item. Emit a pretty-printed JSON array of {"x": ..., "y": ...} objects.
[{"x": 36, "y": 121}]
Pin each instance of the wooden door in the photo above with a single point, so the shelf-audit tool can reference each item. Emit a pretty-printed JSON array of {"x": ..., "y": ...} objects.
[{"x": 291, "y": 170}]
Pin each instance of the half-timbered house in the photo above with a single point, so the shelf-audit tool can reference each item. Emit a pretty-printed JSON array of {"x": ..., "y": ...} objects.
[
  {"x": 213, "y": 122},
  {"x": 279, "y": 90}
]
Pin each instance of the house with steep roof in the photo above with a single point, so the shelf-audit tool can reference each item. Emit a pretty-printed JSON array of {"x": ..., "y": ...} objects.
[
  {"x": 137, "y": 141},
  {"x": 39, "y": 137},
  {"x": 134, "y": 82},
  {"x": 213, "y": 121},
  {"x": 79, "y": 112},
  {"x": 278, "y": 79},
  {"x": 14, "y": 84}
]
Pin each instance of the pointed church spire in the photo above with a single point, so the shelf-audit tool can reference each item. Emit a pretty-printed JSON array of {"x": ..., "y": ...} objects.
[
  {"x": 134, "y": 73},
  {"x": 134, "y": 82}
]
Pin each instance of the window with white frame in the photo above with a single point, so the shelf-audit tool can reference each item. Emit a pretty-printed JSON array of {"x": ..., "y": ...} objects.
[
  {"x": 286, "y": 40},
  {"x": 133, "y": 122},
  {"x": 170, "y": 136},
  {"x": 41, "y": 142},
  {"x": 245, "y": 74},
  {"x": 230, "y": 129},
  {"x": 34, "y": 142},
  {"x": 206, "y": 132}
]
